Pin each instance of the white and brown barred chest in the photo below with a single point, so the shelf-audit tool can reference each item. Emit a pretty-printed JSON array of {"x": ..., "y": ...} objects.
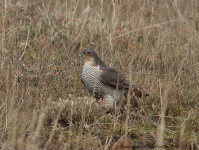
[{"x": 96, "y": 88}]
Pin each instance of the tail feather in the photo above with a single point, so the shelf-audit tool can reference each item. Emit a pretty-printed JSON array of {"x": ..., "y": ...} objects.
[{"x": 136, "y": 90}]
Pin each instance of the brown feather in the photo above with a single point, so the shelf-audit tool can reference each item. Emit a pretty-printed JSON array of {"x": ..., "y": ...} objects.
[{"x": 112, "y": 77}]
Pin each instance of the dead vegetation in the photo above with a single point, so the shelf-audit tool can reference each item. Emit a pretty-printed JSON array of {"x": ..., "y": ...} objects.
[{"x": 43, "y": 104}]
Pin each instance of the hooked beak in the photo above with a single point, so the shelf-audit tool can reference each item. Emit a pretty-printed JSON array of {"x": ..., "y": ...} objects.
[{"x": 80, "y": 55}]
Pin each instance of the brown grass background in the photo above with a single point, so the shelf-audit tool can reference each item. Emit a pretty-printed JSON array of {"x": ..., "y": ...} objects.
[{"x": 43, "y": 104}]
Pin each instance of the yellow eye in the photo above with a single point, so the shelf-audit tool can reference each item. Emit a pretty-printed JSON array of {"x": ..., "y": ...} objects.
[{"x": 85, "y": 53}]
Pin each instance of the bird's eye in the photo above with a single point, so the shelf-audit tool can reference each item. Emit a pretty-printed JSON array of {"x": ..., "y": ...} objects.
[{"x": 85, "y": 53}]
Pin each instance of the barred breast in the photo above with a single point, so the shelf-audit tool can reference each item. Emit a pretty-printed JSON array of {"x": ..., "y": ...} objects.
[{"x": 97, "y": 88}]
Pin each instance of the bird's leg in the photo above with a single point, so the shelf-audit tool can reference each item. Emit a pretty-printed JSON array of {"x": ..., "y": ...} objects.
[{"x": 99, "y": 101}]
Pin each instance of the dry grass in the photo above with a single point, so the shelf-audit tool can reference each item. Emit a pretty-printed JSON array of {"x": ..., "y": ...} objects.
[{"x": 154, "y": 43}]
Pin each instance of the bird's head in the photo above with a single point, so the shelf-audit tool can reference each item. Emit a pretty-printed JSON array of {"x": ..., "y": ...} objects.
[{"x": 89, "y": 55}]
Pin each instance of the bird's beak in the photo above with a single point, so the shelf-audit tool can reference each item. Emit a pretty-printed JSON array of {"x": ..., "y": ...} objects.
[{"x": 80, "y": 55}]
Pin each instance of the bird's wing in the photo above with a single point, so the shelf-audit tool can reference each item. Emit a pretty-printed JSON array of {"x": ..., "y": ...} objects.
[{"x": 112, "y": 77}]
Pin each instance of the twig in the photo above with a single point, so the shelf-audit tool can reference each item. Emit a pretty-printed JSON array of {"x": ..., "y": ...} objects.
[
  {"x": 144, "y": 28},
  {"x": 25, "y": 44}
]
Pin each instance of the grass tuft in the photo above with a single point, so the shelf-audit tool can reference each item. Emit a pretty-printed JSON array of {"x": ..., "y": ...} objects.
[{"x": 43, "y": 104}]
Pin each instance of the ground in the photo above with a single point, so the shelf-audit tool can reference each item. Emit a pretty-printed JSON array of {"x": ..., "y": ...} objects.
[{"x": 44, "y": 105}]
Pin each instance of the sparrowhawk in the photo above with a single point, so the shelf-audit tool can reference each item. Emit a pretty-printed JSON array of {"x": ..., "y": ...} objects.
[{"x": 103, "y": 81}]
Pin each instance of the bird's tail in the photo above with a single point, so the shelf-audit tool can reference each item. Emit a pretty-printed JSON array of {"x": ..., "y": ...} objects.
[{"x": 136, "y": 90}]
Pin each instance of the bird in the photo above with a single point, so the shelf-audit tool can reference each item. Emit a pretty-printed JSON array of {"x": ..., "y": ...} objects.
[{"x": 104, "y": 82}]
